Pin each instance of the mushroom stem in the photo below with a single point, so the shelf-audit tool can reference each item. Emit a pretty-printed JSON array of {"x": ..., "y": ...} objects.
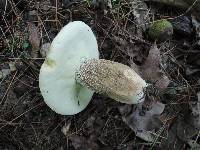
[{"x": 113, "y": 79}]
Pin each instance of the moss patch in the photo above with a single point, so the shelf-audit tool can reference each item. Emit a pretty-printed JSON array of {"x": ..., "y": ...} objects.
[
  {"x": 160, "y": 30},
  {"x": 50, "y": 62}
]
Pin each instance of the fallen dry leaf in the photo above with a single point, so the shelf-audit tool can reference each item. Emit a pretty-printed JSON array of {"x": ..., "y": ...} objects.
[
  {"x": 83, "y": 143},
  {"x": 180, "y": 132},
  {"x": 143, "y": 118},
  {"x": 34, "y": 39},
  {"x": 185, "y": 131},
  {"x": 45, "y": 49},
  {"x": 194, "y": 117},
  {"x": 6, "y": 71},
  {"x": 151, "y": 69},
  {"x": 191, "y": 70},
  {"x": 130, "y": 47},
  {"x": 140, "y": 12},
  {"x": 12, "y": 66},
  {"x": 196, "y": 26},
  {"x": 193, "y": 145},
  {"x": 172, "y": 142}
]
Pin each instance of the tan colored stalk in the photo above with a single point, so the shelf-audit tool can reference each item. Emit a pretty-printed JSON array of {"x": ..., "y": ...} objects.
[{"x": 113, "y": 79}]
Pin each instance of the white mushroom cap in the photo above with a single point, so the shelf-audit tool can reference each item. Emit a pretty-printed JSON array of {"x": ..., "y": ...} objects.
[{"x": 58, "y": 86}]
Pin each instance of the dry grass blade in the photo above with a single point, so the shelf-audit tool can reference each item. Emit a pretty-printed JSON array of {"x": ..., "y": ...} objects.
[{"x": 20, "y": 116}]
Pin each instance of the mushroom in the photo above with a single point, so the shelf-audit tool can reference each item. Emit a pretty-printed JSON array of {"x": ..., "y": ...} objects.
[{"x": 72, "y": 72}]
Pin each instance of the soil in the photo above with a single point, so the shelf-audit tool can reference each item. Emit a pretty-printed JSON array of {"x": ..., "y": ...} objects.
[{"x": 26, "y": 122}]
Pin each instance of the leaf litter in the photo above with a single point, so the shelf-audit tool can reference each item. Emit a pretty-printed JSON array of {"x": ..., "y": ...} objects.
[
  {"x": 169, "y": 117},
  {"x": 143, "y": 119},
  {"x": 152, "y": 70}
]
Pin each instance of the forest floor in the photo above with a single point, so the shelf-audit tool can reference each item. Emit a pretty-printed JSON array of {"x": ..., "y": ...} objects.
[{"x": 168, "y": 119}]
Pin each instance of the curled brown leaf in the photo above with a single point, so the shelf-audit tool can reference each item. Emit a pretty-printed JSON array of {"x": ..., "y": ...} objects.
[{"x": 34, "y": 39}]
